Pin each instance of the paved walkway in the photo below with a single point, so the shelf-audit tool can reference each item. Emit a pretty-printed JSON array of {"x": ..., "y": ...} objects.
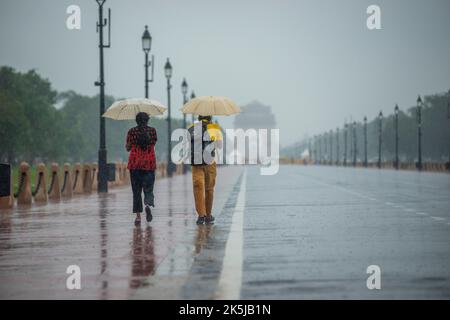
[{"x": 97, "y": 233}]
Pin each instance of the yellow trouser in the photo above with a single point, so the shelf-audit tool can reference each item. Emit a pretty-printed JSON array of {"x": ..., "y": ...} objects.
[{"x": 204, "y": 179}]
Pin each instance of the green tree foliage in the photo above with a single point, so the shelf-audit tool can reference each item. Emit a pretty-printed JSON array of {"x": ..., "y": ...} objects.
[{"x": 33, "y": 129}]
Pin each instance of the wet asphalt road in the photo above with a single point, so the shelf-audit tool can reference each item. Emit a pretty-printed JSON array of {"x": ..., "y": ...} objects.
[
  {"x": 311, "y": 232},
  {"x": 307, "y": 233}
]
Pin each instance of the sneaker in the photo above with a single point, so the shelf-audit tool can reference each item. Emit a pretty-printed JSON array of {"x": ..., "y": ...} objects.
[
  {"x": 209, "y": 219},
  {"x": 148, "y": 213},
  {"x": 201, "y": 220},
  {"x": 137, "y": 222}
]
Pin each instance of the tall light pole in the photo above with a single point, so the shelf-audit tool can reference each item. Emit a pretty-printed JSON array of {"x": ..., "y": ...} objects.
[
  {"x": 146, "y": 47},
  {"x": 184, "y": 90},
  {"x": 448, "y": 117},
  {"x": 168, "y": 73},
  {"x": 102, "y": 185},
  {"x": 365, "y": 141},
  {"x": 354, "y": 144},
  {"x": 193, "y": 97},
  {"x": 320, "y": 149},
  {"x": 396, "y": 161},
  {"x": 380, "y": 128},
  {"x": 419, "y": 133},
  {"x": 337, "y": 146},
  {"x": 345, "y": 144},
  {"x": 331, "y": 147}
]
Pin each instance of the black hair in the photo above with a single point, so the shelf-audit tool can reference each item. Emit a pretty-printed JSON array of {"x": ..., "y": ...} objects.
[
  {"x": 206, "y": 118},
  {"x": 142, "y": 138},
  {"x": 142, "y": 119}
]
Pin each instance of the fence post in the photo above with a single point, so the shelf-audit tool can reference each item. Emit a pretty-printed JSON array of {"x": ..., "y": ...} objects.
[
  {"x": 24, "y": 192},
  {"x": 94, "y": 176},
  {"x": 54, "y": 192},
  {"x": 40, "y": 188},
  {"x": 6, "y": 189},
  {"x": 66, "y": 190},
  {"x": 77, "y": 179},
  {"x": 87, "y": 178}
]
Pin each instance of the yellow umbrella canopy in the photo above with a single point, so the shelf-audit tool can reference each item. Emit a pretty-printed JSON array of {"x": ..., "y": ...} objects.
[
  {"x": 211, "y": 106},
  {"x": 128, "y": 109}
]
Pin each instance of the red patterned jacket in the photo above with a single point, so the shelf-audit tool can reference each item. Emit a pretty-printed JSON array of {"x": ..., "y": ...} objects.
[{"x": 139, "y": 158}]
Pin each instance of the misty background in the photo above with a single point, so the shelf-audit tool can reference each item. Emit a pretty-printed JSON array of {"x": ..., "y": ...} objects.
[{"x": 314, "y": 62}]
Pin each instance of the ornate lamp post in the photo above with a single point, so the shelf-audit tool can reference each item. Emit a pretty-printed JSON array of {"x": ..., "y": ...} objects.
[
  {"x": 419, "y": 133},
  {"x": 337, "y": 146},
  {"x": 184, "y": 90},
  {"x": 331, "y": 147},
  {"x": 380, "y": 127},
  {"x": 345, "y": 143},
  {"x": 354, "y": 144},
  {"x": 396, "y": 161},
  {"x": 102, "y": 185},
  {"x": 365, "y": 141},
  {"x": 168, "y": 74},
  {"x": 193, "y": 97},
  {"x": 146, "y": 47}
]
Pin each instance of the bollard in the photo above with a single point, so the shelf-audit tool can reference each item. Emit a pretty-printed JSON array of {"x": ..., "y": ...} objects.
[
  {"x": 54, "y": 191},
  {"x": 40, "y": 190},
  {"x": 87, "y": 178},
  {"x": 6, "y": 190},
  {"x": 94, "y": 176},
  {"x": 23, "y": 194},
  {"x": 66, "y": 190},
  {"x": 77, "y": 179}
]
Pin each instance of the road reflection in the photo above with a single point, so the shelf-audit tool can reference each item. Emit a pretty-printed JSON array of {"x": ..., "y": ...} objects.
[{"x": 143, "y": 256}]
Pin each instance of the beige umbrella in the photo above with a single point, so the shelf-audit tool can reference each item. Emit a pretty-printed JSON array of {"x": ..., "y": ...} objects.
[
  {"x": 128, "y": 109},
  {"x": 211, "y": 106}
]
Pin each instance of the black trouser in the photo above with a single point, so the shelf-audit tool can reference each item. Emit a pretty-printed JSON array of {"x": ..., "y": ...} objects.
[{"x": 142, "y": 180}]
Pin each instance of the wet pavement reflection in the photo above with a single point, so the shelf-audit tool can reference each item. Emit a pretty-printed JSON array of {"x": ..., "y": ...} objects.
[{"x": 97, "y": 233}]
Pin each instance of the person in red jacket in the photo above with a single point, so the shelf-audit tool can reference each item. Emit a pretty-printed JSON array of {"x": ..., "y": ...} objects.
[{"x": 141, "y": 142}]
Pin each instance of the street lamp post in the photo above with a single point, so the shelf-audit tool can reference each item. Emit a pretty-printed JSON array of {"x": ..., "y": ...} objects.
[
  {"x": 419, "y": 133},
  {"x": 168, "y": 73},
  {"x": 380, "y": 124},
  {"x": 193, "y": 97},
  {"x": 337, "y": 146},
  {"x": 396, "y": 162},
  {"x": 146, "y": 47},
  {"x": 354, "y": 144},
  {"x": 365, "y": 141},
  {"x": 345, "y": 143},
  {"x": 184, "y": 90},
  {"x": 448, "y": 117},
  {"x": 320, "y": 149},
  {"x": 102, "y": 185},
  {"x": 331, "y": 147}
]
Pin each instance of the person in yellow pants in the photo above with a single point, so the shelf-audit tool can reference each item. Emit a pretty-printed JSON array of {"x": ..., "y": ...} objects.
[{"x": 204, "y": 133}]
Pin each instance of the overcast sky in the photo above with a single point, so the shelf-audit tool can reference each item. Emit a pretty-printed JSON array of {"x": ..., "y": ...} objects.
[{"x": 314, "y": 62}]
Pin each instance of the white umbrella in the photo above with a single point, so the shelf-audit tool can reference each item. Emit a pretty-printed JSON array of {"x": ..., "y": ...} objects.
[
  {"x": 128, "y": 109},
  {"x": 211, "y": 106}
]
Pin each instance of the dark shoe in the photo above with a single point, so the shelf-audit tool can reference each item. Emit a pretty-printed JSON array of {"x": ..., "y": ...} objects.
[
  {"x": 209, "y": 219},
  {"x": 201, "y": 220},
  {"x": 137, "y": 222},
  {"x": 148, "y": 213}
]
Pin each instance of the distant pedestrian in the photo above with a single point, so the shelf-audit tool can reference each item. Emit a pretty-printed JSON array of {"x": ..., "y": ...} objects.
[
  {"x": 140, "y": 143},
  {"x": 207, "y": 136}
]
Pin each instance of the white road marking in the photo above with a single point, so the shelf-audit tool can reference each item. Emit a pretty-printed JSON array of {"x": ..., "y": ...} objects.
[
  {"x": 409, "y": 210},
  {"x": 230, "y": 279},
  {"x": 438, "y": 218},
  {"x": 422, "y": 213}
]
